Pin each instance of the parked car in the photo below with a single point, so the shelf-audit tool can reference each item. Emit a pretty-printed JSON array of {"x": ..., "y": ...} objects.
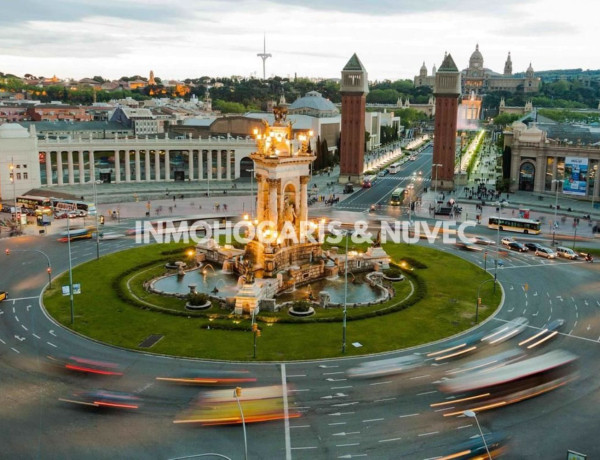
[
  {"x": 348, "y": 188},
  {"x": 514, "y": 246},
  {"x": 533, "y": 246},
  {"x": 507, "y": 240},
  {"x": 566, "y": 253},
  {"x": 545, "y": 252},
  {"x": 3, "y": 295}
]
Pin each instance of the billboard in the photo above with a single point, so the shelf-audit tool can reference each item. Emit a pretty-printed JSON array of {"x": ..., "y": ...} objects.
[{"x": 576, "y": 171}]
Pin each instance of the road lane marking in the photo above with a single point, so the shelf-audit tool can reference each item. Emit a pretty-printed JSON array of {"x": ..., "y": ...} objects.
[
  {"x": 373, "y": 420},
  {"x": 297, "y": 375},
  {"x": 380, "y": 383},
  {"x": 51, "y": 344},
  {"x": 390, "y": 440},
  {"x": 464, "y": 426},
  {"x": 427, "y": 393},
  {"x": 24, "y": 327},
  {"x": 429, "y": 434},
  {"x": 384, "y": 400},
  {"x": 15, "y": 350},
  {"x": 336, "y": 423},
  {"x": 407, "y": 415},
  {"x": 288, "y": 443}
]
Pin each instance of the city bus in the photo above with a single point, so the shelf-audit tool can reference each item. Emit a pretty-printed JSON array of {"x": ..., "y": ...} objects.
[
  {"x": 64, "y": 205},
  {"x": 398, "y": 196},
  {"x": 394, "y": 168},
  {"x": 368, "y": 181},
  {"x": 35, "y": 204},
  {"x": 515, "y": 224},
  {"x": 497, "y": 387}
]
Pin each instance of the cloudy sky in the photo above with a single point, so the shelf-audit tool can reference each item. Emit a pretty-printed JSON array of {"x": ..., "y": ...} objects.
[{"x": 314, "y": 38}]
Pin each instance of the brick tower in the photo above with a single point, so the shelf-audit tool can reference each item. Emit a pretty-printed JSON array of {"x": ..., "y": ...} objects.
[
  {"x": 354, "y": 89},
  {"x": 446, "y": 92}
]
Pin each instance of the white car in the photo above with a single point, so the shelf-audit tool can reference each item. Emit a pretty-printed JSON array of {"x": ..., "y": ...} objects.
[
  {"x": 545, "y": 252},
  {"x": 482, "y": 240},
  {"x": 507, "y": 240}
]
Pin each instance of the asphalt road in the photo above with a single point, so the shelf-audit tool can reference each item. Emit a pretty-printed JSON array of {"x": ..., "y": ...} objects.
[{"x": 389, "y": 417}]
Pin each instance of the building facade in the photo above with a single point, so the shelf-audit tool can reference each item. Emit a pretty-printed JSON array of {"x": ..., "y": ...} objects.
[{"x": 540, "y": 164}]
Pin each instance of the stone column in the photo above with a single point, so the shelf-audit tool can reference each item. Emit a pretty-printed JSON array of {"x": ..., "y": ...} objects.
[
  {"x": 167, "y": 165},
  {"x": 236, "y": 166},
  {"x": 200, "y": 166},
  {"x": 303, "y": 212},
  {"x": 219, "y": 159},
  {"x": 156, "y": 165},
  {"x": 259, "y": 198},
  {"x": 148, "y": 174},
  {"x": 554, "y": 172},
  {"x": 228, "y": 165},
  {"x": 273, "y": 185},
  {"x": 540, "y": 173},
  {"x": 59, "y": 168},
  {"x": 280, "y": 203},
  {"x": 209, "y": 154},
  {"x": 92, "y": 165},
  {"x": 138, "y": 169},
  {"x": 70, "y": 167},
  {"x": 127, "y": 160},
  {"x": 191, "y": 164},
  {"x": 48, "y": 168},
  {"x": 81, "y": 168},
  {"x": 117, "y": 166}
]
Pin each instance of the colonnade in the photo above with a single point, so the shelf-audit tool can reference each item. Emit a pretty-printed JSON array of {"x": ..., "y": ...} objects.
[{"x": 156, "y": 165}]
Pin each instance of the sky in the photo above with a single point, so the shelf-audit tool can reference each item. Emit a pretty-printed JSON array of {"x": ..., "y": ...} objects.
[{"x": 180, "y": 39}]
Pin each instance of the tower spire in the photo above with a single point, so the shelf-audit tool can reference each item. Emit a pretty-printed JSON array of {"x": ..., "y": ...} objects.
[{"x": 264, "y": 55}]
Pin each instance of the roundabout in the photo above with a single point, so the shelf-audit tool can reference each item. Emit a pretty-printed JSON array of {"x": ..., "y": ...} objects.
[{"x": 115, "y": 308}]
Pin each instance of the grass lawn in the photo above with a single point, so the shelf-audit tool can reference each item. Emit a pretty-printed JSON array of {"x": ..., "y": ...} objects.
[{"x": 447, "y": 308}]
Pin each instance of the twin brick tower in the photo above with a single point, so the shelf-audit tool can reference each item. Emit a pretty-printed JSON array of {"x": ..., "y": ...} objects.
[{"x": 354, "y": 89}]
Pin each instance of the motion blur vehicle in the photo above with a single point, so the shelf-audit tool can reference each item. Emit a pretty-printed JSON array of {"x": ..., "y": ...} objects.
[
  {"x": 514, "y": 246},
  {"x": 545, "y": 252},
  {"x": 467, "y": 246},
  {"x": 458, "y": 348},
  {"x": 383, "y": 172},
  {"x": 482, "y": 240},
  {"x": 507, "y": 240},
  {"x": 500, "y": 386},
  {"x": 546, "y": 333},
  {"x": 478, "y": 447},
  {"x": 3, "y": 295},
  {"x": 77, "y": 234},
  {"x": 210, "y": 377},
  {"x": 104, "y": 399},
  {"x": 507, "y": 331},
  {"x": 84, "y": 365},
  {"x": 385, "y": 367},
  {"x": 220, "y": 407}
]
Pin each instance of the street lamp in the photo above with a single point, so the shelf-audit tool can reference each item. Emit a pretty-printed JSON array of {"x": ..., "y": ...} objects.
[
  {"x": 436, "y": 166},
  {"x": 237, "y": 392},
  {"x": 555, "y": 223},
  {"x": 94, "y": 182},
  {"x": 70, "y": 269},
  {"x": 471, "y": 414},
  {"x": 13, "y": 179},
  {"x": 49, "y": 269},
  {"x": 251, "y": 171},
  {"x": 345, "y": 295}
]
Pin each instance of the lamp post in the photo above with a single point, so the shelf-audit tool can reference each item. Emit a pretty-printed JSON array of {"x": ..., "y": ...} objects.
[
  {"x": 49, "y": 269},
  {"x": 497, "y": 255},
  {"x": 70, "y": 269},
  {"x": 97, "y": 227},
  {"x": 345, "y": 296},
  {"x": 255, "y": 332},
  {"x": 251, "y": 171},
  {"x": 436, "y": 166},
  {"x": 13, "y": 179},
  {"x": 555, "y": 223},
  {"x": 237, "y": 392},
  {"x": 471, "y": 414}
]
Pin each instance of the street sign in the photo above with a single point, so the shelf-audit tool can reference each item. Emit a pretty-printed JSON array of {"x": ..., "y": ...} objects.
[
  {"x": 572, "y": 455},
  {"x": 76, "y": 289}
]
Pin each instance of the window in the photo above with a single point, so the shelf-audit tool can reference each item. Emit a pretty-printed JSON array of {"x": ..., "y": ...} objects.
[
  {"x": 18, "y": 176},
  {"x": 25, "y": 176}
]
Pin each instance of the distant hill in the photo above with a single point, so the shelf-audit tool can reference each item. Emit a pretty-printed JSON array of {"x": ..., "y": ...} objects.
[{"x": 558, "y": 74}]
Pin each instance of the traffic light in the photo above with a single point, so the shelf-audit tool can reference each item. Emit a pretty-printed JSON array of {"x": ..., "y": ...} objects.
[
  {"x": 7, "y": 251},
  {"x": 254, "y": 327},
  {"x": 526, "y": 287},
  {"x": 479, "y": 301},
  {"x": 238, "y": 391},
  {"x": 49, "y": 270},
  {"x": 101, "y": 219}
]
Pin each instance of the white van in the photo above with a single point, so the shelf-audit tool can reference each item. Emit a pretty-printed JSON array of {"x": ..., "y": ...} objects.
[{"x": 566, "y": 253}]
